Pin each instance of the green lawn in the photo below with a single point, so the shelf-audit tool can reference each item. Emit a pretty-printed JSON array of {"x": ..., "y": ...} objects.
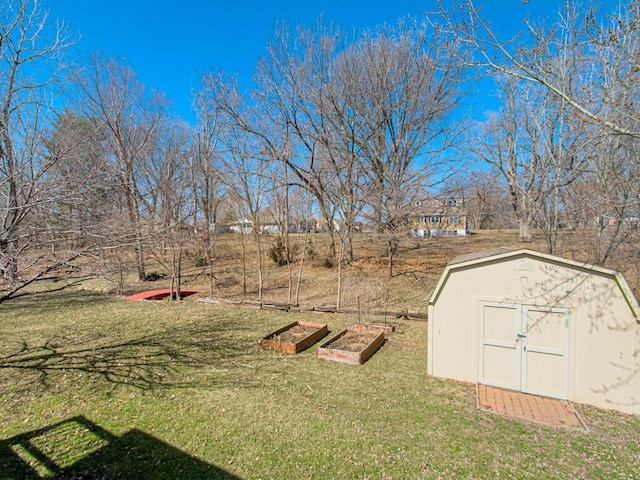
[{"x": 120, "y": 389}]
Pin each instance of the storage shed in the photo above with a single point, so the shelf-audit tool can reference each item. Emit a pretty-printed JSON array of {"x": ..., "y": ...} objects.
[{"x": 537, "y": 323}]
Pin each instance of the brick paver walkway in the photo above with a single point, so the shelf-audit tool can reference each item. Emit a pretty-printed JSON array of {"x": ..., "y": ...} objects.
[{"x": 529, "y": 407}]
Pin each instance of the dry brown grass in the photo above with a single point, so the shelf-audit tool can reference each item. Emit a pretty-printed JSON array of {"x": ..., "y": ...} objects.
[{"x": 366, "y": 285}]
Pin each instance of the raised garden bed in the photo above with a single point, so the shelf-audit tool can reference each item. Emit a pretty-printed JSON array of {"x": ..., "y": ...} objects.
[
  {"x": 384, "y": 327},
  {"x": 295, "y": 337},
  {"x": 354, "y": 345}
]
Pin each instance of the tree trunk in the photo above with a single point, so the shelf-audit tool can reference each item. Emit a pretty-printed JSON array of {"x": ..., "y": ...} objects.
[
  {"x": 348, "y": 244},
  {"x": 339, "y": 293},
  {"x": 142, "y": 275},
  {"x": 302, "y": 257},
  {"x": 134, "y": 221},
  {"x": 244, "y": 260},
  {"x": 524, "y": 230},
  {"x": 332, "y": 243},
  {"x": 392, "y": 246},
  {"x": 260, "y": 266},
  {"x": 209, "y": 257},
  {"x": 8, "y": 250},
  {"x": 9, "y": 242}
]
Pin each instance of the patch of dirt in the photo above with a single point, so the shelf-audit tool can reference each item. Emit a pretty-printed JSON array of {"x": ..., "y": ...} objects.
[
  {"x": 353, "y": 341},
  {"x": 294, "y": 334}
]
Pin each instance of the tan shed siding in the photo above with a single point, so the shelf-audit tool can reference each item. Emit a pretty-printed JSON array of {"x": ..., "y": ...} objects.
[
  {"x": 636, "y": 378},
  {"x": 430, "y": 349},
  {"x": 493, "y": 282},
  {"x": 604, "y": 346},
  {"x": 454, "y": 329}
]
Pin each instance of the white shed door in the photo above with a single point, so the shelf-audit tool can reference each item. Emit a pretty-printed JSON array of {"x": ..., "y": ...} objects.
[
  {"x": 500, "y": 357},
  {"x": 524, "y": 348}
]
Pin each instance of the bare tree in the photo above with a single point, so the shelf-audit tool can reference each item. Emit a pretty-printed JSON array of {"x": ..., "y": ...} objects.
[
  {"x": 606, "y": 199},
  {"x": 304, "y": 223},
  {"x": 410, "y": 85},
  {"x": 339, "y": 131},
  {"x": 208, "y": 187},
  {"x": 279, "y": 211},
  {"x": 166, "y": 188},
  {"x": 408, "y": 82},
  {"x": 586, "y": 60},
  {"x": 299, "y": 97},
  {"x": 113, "y": 97},
  {"x": 535, "y": 148},
  {"x": 605, "y": 42},
  {"x": 487, "y": 200},
  {"x": 613, "y": 179},
  {"x": 309, "y": 92},
  {"x": 30, "y": 66},
  {"x": 244, "y": 172}
]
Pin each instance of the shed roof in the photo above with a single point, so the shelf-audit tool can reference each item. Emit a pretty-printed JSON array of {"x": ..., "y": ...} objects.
[
  {"x": 480, "y": 255},
  {"x": 477, "y": 259}
]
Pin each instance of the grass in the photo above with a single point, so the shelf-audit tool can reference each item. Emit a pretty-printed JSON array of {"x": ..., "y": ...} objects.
[{"x": 105, "y": 388}]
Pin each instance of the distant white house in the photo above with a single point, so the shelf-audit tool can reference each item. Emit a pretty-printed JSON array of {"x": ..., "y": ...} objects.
[
  {"x": 272, "y": 228},
  {"x": 244, "y": 225},
  {"x": 296, "y": 225}
]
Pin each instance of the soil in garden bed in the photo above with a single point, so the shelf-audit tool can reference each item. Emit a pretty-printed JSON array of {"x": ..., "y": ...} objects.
[
  {"x": 294, "y": 334},
  {"x": 353, "y": 341}
]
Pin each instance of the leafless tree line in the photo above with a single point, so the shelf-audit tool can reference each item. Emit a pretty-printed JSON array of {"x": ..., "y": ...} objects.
[
  {"x": 350, "y": 128},
  {"x": 565, "y": 140}
]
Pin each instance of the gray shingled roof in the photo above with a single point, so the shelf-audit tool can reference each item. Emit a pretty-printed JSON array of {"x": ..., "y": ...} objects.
[{"x": 483, "y": 254}]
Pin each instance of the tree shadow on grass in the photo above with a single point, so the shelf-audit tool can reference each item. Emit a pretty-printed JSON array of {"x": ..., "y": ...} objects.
[
  {"x": 52, "y": 299},
  {"x": 169, "y": 359},
  {"x": 77, "y": 448}
]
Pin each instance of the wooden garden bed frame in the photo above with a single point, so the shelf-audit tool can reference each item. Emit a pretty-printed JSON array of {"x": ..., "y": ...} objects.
[
  {"x": 325, "y": 351},
  {"x": 274, "y": 342}
]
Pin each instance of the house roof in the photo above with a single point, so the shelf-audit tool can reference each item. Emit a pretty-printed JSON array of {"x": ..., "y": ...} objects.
[
  {"x": 440, "y": 206},
  {"x": 477, "y": 259}
]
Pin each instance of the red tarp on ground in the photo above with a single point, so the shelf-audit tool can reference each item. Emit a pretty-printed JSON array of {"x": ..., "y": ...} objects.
[{"x": 159, "y": 294}]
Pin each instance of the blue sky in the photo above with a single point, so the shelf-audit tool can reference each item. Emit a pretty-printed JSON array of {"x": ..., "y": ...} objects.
[{"x": 171, "y": 43}]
